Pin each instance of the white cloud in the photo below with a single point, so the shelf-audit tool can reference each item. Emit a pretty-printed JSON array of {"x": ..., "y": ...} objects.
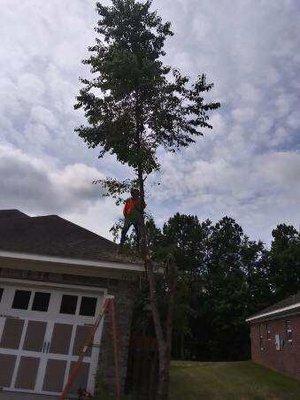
[
  {"x": 283, "y": 170},
  {"x": 293, "y": 120},
  {"x": 36, "y": 185},
  {"x": 242, "y": 115},
  {"x": 43, "y": 116}
]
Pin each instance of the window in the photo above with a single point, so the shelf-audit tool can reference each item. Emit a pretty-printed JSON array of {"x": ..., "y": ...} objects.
[
  {"x": 68, "y": 304},
  {"x": 41, "y": 301},
  {"x": 88, "y": 306},
  {"x": 1, "y": 293},
  {"x": 279, "y": 342},
  {"x": 289, "y": 331},
  {"x": 21, "y": 299}
]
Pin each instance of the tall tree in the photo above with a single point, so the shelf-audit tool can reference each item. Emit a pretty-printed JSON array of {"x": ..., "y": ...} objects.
[
  {"x": 285, "y": 261},
  {"x": 188, "y": 237},
  {"x": 135, "y": 104}
]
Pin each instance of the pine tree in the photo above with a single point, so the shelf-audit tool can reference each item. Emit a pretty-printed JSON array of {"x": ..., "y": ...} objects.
[{"x": 134, "y": 104}]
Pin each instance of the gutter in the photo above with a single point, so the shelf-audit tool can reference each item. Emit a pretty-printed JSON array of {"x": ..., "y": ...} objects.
[
  {"x": 279, "y": 310},
  {"x": 73, "y": 261}
]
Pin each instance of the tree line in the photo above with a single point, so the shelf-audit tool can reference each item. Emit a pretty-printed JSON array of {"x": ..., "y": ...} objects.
[{"x": 223, "y": 278}]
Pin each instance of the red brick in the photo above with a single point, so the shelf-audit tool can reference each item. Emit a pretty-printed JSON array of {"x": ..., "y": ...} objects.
[{"x": 286, "y": 360}]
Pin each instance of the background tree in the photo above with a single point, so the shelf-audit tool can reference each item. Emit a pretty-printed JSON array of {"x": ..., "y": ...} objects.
[
  {"x": 223, "y": 278},
  {"x": 188, "y": 236},
  {"x": 134, "y": 105},
  {"x": 285, "y": 261}
]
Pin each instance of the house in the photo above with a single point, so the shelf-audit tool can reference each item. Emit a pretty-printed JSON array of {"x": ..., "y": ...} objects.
[
  {"x": 54, "y": 276},
  {"x": 275, "y": 336}
]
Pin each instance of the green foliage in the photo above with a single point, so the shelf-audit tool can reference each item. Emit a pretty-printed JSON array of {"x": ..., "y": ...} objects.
[
  {"x": 114, "y": 188},
  {"x": 135, "y": 103},
  {"x": 223, "y": 278},
  {"x": 285, "y": 261}
]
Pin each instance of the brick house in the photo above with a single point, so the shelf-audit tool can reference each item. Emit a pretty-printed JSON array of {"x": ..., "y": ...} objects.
[
  {"x": 275, "y": 336},
  {"x": 54, "y": 276}
]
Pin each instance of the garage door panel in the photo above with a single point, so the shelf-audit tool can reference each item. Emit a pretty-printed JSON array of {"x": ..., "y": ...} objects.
[
  {"x": 54, "y": 376},
  {"x": 12, "y": 332},
  {"x": 35, "y": 335},
  {"x": 82, "y": 332},
  {"x": 7, "y": 365},
  {"x": 27, "y": 373},
  {"x": 61, "y": 337}
]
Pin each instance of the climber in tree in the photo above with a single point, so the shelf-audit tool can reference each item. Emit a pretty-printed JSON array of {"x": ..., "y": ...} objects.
[{"x": 133, "y": 210}]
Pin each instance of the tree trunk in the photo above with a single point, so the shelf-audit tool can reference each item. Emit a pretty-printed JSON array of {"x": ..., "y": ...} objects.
[
  {"x": 164, "y": 341},
  {"x": 164, "y": 375}
]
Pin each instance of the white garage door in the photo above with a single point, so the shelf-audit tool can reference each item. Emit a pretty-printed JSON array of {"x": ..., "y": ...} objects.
[{"x": 42, "y": 329}]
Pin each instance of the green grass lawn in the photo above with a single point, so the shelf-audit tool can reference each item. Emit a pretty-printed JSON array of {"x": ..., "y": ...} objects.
[{"x": 230, "y": 381}]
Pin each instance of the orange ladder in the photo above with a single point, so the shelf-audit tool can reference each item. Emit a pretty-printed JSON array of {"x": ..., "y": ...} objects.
[{"x": 108, "y": 306}]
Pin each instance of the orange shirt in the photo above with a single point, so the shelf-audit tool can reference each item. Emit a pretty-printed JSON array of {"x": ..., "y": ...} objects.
[{"x": 132, "y": 205}]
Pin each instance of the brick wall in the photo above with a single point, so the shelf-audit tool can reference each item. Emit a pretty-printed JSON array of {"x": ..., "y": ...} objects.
[
  {"x": 263, "y": 344},
  {"x": 124, "y": 294}
]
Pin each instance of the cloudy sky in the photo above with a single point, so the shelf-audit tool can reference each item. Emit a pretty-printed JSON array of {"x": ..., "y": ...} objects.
[{"x": 248, "y": 167}]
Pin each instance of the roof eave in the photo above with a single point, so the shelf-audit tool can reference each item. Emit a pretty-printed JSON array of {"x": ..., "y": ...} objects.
[
  {"x": 274, "y": 313},
  {"x": 118, "y": 270}
]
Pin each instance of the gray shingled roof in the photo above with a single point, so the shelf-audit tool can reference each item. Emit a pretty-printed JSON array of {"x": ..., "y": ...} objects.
[
  {"x": 290, "y": 301},
  {"x": 52, "y": 235}
]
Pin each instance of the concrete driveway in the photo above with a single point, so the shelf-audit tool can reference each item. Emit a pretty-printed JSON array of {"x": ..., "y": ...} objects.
[{"x": 24, "y": 396}]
